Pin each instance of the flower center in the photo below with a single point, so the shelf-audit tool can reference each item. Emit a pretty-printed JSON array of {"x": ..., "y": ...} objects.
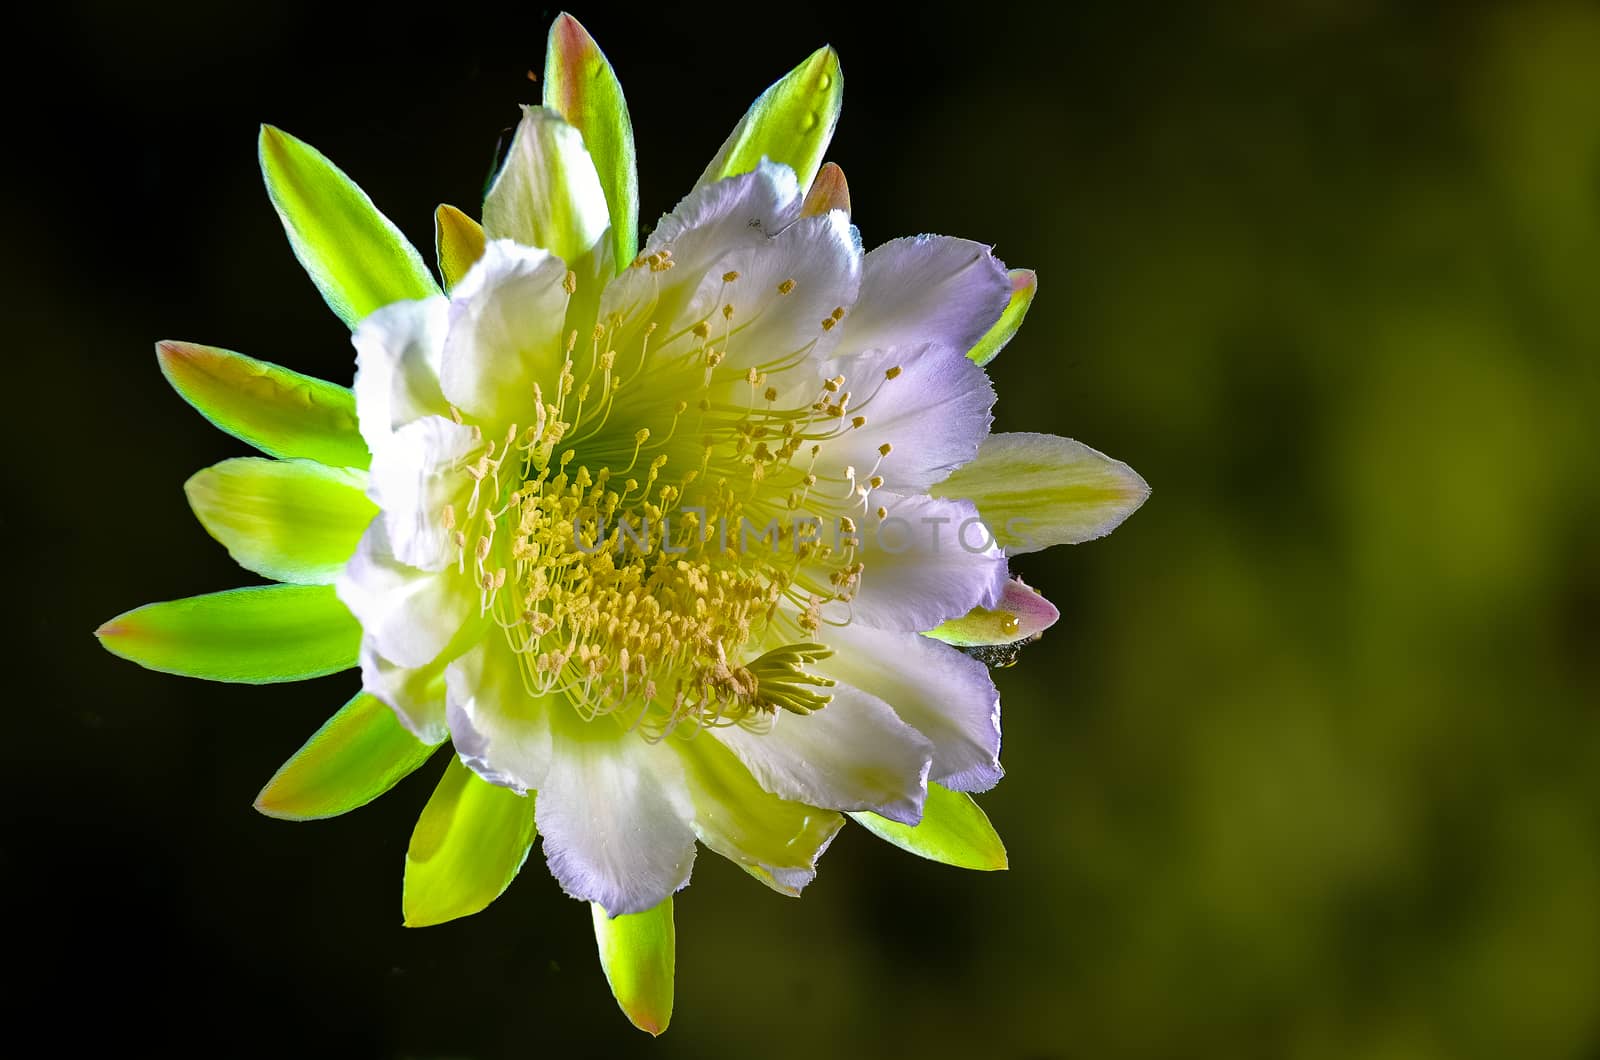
[{"x": 659, "y": 544}]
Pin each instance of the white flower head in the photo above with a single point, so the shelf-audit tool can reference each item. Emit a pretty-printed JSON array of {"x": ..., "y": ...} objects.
[{"x": 700, "y": 543}]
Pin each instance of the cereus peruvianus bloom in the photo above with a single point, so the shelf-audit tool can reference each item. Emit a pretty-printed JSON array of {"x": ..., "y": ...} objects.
[{"x": 700, "y": 542}]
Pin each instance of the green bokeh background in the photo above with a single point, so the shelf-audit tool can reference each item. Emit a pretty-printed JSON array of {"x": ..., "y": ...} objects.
[{"x": 1310, "y": 767}]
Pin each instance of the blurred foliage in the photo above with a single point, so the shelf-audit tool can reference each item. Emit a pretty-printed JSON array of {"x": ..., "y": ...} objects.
[{"x": 1310, "y": 767}]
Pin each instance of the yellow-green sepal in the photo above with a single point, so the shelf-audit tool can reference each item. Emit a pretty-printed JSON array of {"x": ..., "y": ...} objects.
[
  {"x": 580, "y": 85},
  {"x": 358, "y": 754},
  {"x": 290, "y": 520},
  {"x": 1024, "y": 285},
  {"x": 792, "y": 122},
  {"x": 458, "y": 241},
  {"x": 280, "y": 412},
  {"x": 1020, "y": 614},
  {"x": 262, "y": 634},
  {"x": 953, "y": 831},
  {"x": 467, "y": 847},
  {"x": 638, "y": 952},
  {"x": 355, "y": 255},
  {"x": 1038, "y": 490}
]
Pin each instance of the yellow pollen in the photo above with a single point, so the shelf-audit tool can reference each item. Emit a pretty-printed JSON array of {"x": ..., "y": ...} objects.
[
  {"x": 570, "y": 284},
  {"x": 786, "y": 286}
]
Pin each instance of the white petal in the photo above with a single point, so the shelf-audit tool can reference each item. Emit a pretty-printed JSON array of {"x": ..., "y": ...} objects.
[
  {"x": 942, "y": 693},
  {"x": 506, "y": 320},
  {"x": 933, "y": 414},
  {"x": 415, "y": 694},
  {"x": 927, "y": 289},
  {"x": 732, "y": 214},
  {"x": 398, "y": 349},
  {"x": 614, "y": 816},
  {"x": 818, "y": 260},
  {"x": 929, "y": 560},
  {"x": 415, "y": 474},
  {"x": 547, "y": 194},
  {"x": 497, "y": 728},
  {"x": 409, "y": 615},
  {"x": 779, "y": 840},
  {"x": 853, "y": 754},
  {"x": 721, "y": 215}
]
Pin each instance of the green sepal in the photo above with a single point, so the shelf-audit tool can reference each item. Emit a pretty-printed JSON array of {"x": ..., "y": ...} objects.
[
  {"x": 638, "y": 952},
  {"x": 469, "y": 844},
  {"x": 358, "y": 754},
  {"x": 290, "y": 520},
  {"x": 580, "y": 85},
  {"x": 1024, "y": 285},
  {"x": 953, "y": 831},
  {"x": 1038, "y": 490},
  {"x": 1021, "y": 614},
  {"x": 257, "y": 635},
  {"x": 356, "y": 256},
  {"x": 792, "y": 122},
  {"x": 280, "y": 412}
]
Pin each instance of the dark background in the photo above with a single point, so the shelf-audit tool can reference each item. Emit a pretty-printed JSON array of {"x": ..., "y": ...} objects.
[{"x": 1310, "y": 767}]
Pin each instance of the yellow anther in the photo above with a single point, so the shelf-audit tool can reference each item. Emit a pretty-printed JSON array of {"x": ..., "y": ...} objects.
[
  {"x": 828, "y": 323},
  {"x": 876, "y": 481},
  {"x": 448, "y": 517},
  {"x": 727, "y": 312},
  {"x": 482, "y": 549},
  {"x": 838, "y": 312},
  {"x": 570, "y": 284},
  {"x": 892, "y": 373},
  {"x": 701, "y": 330},
  {"x": 858, "y": 421},
  {"x": 771, "y": 393},
  {"x": 885, "y": 449},
  {"x": 729, "y": 277},
  {"x": 883, "y": 513},
  {"x": 786, "y": 286}
]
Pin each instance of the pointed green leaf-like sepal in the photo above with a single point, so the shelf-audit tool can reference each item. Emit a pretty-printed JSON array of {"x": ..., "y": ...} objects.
[
  {"x": 638, "y": 952},
  {"x": 580, "y": 85},
  {"x": 281, "y": 413},
  {"x": 1038, "y": 490},
  {"x": 469, "y": 844},
  {"x": 356, "y": 256},
  {"x": 1024, "y": 284},
  {"x": 360, "y": 753},
  {"x": 290, "y": 520},
  {"x": 458, "y": 240},
  {"x": 257, "y": 635},
  {"x": 953, "y": 831},
  {"x": 792, "y": 122},
  {"x": 1021, "y": 614}
]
